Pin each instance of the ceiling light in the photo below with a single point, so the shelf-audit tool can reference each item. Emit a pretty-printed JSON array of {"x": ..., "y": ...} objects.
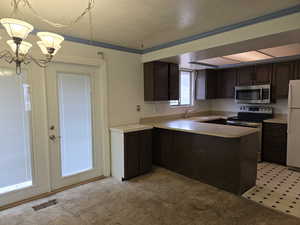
[
  {"x": 282, "y": 51},
  {"x": 248, "y": 56},
  {"x": 50, "y": 40},
  {"x": 23, "y": 48},
  {"x": 219, "y": 61},
  {"x": 46, "y": 50},
  {"x": 18, "y": 30},
  {"x": 6, "y": 72}
]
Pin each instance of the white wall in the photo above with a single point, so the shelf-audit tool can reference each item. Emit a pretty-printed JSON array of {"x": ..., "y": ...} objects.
[{"x": 229, "y": 105}]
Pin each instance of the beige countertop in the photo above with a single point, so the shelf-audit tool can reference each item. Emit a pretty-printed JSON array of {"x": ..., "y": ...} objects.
[
  {"x": 190, "y": 126},
  {"x": 194, "y": 125},
  {"x": 131, "y": 128},
  {"x": 279, "y": 119}
]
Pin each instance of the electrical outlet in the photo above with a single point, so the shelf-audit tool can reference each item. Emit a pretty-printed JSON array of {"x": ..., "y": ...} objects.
[{"x": 138, "y": 108}]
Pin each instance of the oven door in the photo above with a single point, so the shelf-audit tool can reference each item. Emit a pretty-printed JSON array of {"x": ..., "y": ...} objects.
[{"x": 249, "y": 94}]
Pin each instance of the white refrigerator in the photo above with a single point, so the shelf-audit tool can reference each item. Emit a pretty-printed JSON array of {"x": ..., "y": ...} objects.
[{"x": 293, "y": 152}]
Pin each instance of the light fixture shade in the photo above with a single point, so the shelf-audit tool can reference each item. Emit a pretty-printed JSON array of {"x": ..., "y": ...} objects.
[
  {"x": 44, "y": 49},
  {"x": 50, "y": 40},
  {"x": 6, "y": 72},
  {"x": 16, "y": 28},
  {"x": 23, "y": 49}
]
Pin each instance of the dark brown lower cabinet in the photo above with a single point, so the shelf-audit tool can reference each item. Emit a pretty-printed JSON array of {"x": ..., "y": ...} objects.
[
  {"x": 274, "y": 148},
  {"x": 137, "y": 153},
  {"x": 227, "y": 163}
]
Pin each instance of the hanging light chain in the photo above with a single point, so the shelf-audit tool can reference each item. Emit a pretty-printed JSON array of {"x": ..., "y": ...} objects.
[{"x": 26, "y": 3}]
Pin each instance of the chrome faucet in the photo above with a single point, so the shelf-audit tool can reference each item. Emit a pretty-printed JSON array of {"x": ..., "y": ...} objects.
[{"x": 187, "y": 112}]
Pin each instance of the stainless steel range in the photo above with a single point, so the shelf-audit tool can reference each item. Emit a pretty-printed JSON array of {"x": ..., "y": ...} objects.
[{"x": 252, "y": 116}]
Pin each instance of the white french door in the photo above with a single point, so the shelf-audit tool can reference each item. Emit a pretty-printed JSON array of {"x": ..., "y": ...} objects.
[
  {"x": 23, "y": 147},
  {"x": 75, "y": 155}
]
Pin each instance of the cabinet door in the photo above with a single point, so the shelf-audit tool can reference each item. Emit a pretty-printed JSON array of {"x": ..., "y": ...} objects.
[
  {"x": 211, "y": 84},
  {"x": 263, "y": 74},
  {"x": 162, "y": 144},
  {"x": 161, "y": 81},
  {"x": 145, "y": 140},
  {"x": 274, "y": 143},
  {"x": 173, "y": 81},
  {"x": 131, "y": 154},
  {"x": 297, "y": 70},
  {"x": 245, "y": 76},
  {"x": 226, "y": 83},
  {"x": 179, "y": 156},
  {"x": 283, "y": 73}
]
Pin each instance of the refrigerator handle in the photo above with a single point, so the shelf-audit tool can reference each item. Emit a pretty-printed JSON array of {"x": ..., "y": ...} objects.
[
  {"x": 289, "y": 108},
  {"x": 289, "y": 121},
  {"x": 290, "y": 96}
]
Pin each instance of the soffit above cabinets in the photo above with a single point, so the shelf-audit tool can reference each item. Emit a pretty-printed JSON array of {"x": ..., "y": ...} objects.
[
  {"x": 253, "y": 56},
  {"x": 282, "y": 51}
]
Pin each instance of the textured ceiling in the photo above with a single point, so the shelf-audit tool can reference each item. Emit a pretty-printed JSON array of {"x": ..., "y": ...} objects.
[{"x": 130, "y": 23}]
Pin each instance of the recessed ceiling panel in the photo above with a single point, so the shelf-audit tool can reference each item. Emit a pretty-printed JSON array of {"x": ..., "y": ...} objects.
[
  {"x": 218, "y": 61},
  {"x": 248, "y": 56},
  {"x": 281, "y": 51}
]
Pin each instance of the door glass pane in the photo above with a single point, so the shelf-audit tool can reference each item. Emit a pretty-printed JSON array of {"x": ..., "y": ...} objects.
[
  {"x": 75, "y": 123},
  {"x": 15, "y": 133}
]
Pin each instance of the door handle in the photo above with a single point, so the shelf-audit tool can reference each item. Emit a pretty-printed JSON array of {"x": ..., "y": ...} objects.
[{"x": 52, "y": 137}]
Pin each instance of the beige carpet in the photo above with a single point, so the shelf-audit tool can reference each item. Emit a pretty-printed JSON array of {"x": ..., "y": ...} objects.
[{"x": 159, "y": 198}]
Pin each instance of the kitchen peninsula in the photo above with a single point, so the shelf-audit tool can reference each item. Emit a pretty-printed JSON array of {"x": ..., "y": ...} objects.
[
  {"x": 220, "y": 155},
  {"x": 224, "y": 156}
]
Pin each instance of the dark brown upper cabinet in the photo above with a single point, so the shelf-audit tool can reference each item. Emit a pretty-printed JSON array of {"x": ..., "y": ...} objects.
[
  {"x": 245, "y": 75},
  {"x": 226, "y": 82},
  {"x": 282, "y": 74},
  {"x": 173, "y": 81},
  {"x": 206, "y": 84},
  {"x": 263, "y": 74},
  {"x": 161, "y": 81}
]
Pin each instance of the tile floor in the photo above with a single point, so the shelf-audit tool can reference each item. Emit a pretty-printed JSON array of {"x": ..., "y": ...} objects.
[
  {"x": 158, "y": 198},
  {"x": 277, "y": 188}
]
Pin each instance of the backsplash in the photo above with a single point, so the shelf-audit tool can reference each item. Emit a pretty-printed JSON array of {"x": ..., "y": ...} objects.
[
  {"x": 281, "y": 106},
  {"x": 164, "y": 108},
  {"x": 217, "y": 105}
]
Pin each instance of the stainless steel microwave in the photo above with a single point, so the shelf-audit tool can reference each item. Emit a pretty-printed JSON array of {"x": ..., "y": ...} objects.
[{"x": 255, "y": 94}]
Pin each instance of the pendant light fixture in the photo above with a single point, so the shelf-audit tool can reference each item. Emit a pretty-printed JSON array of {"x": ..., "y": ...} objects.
[{"x": 18, "y": 31}]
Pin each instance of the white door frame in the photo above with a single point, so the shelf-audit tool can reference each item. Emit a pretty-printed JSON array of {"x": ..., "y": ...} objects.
[
  {"x": 39, "y": 141},
  {"x": 101, "y": 80},
  {"x": 57, "y": 180}
]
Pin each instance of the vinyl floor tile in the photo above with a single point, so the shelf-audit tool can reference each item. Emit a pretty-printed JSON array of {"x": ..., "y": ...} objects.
[{"x": 277, "y": 188}]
